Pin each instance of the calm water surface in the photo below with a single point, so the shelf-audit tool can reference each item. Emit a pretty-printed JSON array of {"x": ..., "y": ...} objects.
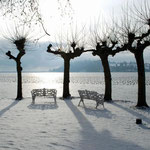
[
  {"x": 124, "y": 85},
  {"x": 81, "y": 78}
]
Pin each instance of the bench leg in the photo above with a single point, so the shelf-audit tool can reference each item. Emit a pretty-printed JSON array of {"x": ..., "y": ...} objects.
[
  {"x": 79, "y": 102},
  {"x": 97, "y": 104},
  {"x": 33, "y": 99},
  {"x": 82, "y": 102},
  {"x": 55, "y": 99},
  {"x": 103, "y": 105}
]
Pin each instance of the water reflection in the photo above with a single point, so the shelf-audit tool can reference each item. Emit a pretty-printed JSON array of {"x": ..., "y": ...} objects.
[
  {"x": 125, "y": 83},
  {"x": 42, "y": 77},
  {"x": 79, "y": 78}
]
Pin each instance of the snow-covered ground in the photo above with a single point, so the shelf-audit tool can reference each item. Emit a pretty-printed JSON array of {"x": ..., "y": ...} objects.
[{"x": 65, "y": 126}]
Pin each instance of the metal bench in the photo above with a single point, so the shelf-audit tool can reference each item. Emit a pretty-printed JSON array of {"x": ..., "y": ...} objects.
[
  {"x": 43, "y": 92},
  {"x": 91, "y": 95}
]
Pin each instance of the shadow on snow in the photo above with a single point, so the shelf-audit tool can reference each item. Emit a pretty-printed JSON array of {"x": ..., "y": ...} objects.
[
  {"x": 99, "y": 113},
  {"x": 8, "y": 107},
  {"x": 136, "y": 114},
  {"x": 45, "y": 106},
  {"x": 92, "y": 139}
]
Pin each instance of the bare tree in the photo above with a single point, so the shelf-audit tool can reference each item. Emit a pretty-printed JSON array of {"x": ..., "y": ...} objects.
[
  {"x": 28, "y": 13},
  {"x": 106, "y": 43},
  {"x": 20, "y": 44},
  {"x": 19, "y": 37},
  {"x": 135, "y": 31},
  {"x": 67, "y": 51}
]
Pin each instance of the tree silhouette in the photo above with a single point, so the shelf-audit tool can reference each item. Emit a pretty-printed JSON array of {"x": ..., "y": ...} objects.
[
  {"x": 20, "y": 45},
  {"x": 72, "y": 52},
  {"x": 136, "y": 35},
  {"x": 106, "y": 44},
  {"x": 133, "y": 36},
  {"x": 103, "y": 51},
  {"x": 21, "y": 38}
]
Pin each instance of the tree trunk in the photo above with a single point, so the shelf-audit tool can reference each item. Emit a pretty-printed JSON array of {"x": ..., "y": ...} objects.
[
  {"x": 19, "y": 81},
  {"x": 66, "y": 81},
  {"x": 141, "y": 80},
  {"x": 107, "y": 77}
]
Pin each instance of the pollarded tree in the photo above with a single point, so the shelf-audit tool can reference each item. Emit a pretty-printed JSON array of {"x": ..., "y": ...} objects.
[
  {"x": 19, "y": 37},
  {"x": 106, "y": 44},
  {"x": 20, "y": 45},
  {"x": 71, "y": 52},
  {"x": 136, "y": 35}
]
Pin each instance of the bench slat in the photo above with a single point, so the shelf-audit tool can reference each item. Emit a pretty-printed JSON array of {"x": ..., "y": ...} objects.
[
  {"x": 43, "y": 92},
  {"x": 91, "y": 95}
]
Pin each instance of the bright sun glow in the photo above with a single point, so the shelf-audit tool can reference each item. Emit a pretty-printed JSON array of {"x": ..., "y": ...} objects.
[{"x": 59, "y": 17}]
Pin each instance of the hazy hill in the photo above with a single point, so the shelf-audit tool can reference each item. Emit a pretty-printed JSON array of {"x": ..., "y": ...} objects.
[
  {"x": 96, "y": 66},
  {"x": 82, "y": 66}
]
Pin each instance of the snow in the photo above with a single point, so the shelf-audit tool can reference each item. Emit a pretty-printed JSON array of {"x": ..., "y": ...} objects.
[{"x": 65, "y": 126}]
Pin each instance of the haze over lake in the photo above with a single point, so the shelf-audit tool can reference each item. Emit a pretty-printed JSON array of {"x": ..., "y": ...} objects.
[{"x": 124, "y": 85}]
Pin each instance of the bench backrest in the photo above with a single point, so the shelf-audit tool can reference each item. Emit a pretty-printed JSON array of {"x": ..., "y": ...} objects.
[
  {"x": 90, "y": 95},
  {"x": 44, "y": 92},
  {"x": 52, "y": 92}
]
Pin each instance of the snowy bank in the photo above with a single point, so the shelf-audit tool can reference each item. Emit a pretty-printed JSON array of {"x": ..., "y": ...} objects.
[{"x": 65, "y": 126}]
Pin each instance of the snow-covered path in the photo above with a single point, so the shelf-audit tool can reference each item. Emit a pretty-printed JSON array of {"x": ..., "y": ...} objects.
[{"x": 49, "y": 126}]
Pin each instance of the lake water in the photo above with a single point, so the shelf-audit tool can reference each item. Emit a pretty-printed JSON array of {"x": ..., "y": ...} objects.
[{"x": 124, "y": 85}]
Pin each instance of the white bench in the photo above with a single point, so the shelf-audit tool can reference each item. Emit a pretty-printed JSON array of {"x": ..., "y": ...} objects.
[
  {"x": 43, "y": 92},
  {"x": 91, "y": 95}
]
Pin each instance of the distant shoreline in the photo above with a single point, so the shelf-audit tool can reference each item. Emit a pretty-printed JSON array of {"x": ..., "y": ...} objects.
[{"x": 70, "y": 72}]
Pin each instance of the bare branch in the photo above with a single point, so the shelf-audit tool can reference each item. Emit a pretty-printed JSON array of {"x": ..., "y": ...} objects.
[
  {"x": 11, "y": 56},
  {"x": 49, "y": 50},
  {"x": 142, "y": 12}
]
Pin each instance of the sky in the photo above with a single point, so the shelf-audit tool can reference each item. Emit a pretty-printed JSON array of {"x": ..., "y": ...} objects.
[
  {"x": 82, "y": 13},
  {"x": 60, "y": 23}
]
